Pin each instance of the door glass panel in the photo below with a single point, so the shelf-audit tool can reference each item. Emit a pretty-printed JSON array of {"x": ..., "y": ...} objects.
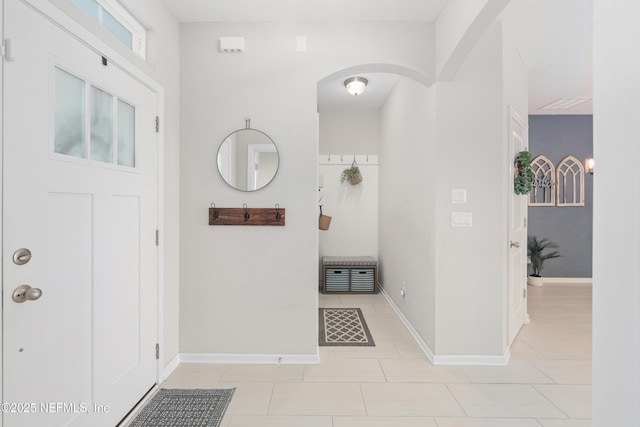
[
  {"x": 69, "y": 107},
  {"x": 101, "y": 126},
  {"x": 117, "y": 29},
  {"x": 90, "y": 7},
  {"x": 126, "y": 134}
]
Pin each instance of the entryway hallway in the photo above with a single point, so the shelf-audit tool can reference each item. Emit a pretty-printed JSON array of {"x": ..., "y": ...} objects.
[{"x": 547, "y": 382}]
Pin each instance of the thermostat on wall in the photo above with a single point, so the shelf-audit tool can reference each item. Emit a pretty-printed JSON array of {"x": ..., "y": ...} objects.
[{"x": 232, "y": 44}]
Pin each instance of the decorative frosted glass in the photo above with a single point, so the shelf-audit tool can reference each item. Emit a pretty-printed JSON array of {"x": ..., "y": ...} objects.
[
  {"x": 101, "y": 126},
  {"x": 126, "y": 134},
  {"x": 117, "y": 29},
  {"x": 69, "y": 107},
  {"x": 90, "y": 7}
]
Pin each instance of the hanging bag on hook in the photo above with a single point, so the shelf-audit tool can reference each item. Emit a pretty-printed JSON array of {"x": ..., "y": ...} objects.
[{"x": 324, "y": 221}]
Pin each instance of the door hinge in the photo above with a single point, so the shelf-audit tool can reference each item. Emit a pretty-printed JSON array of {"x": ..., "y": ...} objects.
[
  {"x": 157, "y": 123},
  {"x": 157, "y": 237},
  {"x": 6, "y": 50},
  {"x": 525, "y": 221},
  {"x": 157, "y": 351},
  {"x": 524, "y": 293}
]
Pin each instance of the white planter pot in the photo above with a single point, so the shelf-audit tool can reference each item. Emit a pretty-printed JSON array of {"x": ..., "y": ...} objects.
[{"x": 535, "y": 281}]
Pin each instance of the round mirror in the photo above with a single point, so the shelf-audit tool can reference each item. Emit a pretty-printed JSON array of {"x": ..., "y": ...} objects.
[{"x": 248, "y": 159}]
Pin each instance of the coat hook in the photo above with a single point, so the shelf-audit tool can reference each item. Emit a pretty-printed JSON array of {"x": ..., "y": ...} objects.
[
  {"x": 215, "y": 212},
  {"x": 246, "y": 212},
  {"x": 278, "y": 216}
]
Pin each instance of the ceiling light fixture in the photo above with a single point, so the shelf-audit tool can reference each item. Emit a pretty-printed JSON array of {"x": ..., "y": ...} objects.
[{"x": 356, "y": 85}]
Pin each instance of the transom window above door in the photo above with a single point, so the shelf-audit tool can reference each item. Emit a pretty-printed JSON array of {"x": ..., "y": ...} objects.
[{"x": 115, "y": 19}]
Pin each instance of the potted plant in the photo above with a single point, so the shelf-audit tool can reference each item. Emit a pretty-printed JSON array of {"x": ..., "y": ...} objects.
[
  {"x": 352, "y": 175},
  {"x": 539, "y": 250},
  {"x": 523, "y": 179}
]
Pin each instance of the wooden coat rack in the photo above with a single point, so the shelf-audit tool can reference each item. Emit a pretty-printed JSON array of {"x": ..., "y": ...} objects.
[{"x": 247, "y": 216}]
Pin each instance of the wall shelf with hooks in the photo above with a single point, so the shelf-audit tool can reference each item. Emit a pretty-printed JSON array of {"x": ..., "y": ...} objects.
[
  {"x": 247, "y": 216},
  {"x": 347, "y": 159}
]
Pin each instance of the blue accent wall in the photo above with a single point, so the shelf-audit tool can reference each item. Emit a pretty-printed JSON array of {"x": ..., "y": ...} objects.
[{"x": 557, "y": 137}]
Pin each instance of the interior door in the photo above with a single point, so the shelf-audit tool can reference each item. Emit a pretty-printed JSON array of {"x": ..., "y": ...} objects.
[
  {"x": 517, "y": 232},
  {"x": 80, "y": 194}
]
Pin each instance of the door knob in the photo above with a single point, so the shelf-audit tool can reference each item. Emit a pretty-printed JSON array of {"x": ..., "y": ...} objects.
[
  {"x": 514, "y": 244},
  {"x": 26, "y": 293}
]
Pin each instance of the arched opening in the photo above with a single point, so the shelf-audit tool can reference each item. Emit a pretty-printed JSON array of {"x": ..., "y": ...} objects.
[{"x": 388, "y": 132}]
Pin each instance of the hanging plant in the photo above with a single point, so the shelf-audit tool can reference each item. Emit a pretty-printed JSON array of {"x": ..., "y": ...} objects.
[
  {"x": 351, "y": 174},
  {"x": 523, "y": 179}
]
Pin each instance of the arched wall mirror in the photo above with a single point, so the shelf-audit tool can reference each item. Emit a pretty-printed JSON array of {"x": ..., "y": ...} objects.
[{"x": 248, "y": 159}]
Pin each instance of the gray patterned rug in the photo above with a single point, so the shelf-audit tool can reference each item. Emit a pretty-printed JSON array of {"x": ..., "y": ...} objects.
[
  {"x": 343, "y": 326},
  {"x": 181, "y": 407}
]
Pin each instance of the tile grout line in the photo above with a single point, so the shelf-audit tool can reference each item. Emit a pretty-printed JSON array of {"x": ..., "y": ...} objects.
[
  {"x": 456, "y": 399},
  {"x": 273, "y": 388},
  {"x": 549, "y": 400}
]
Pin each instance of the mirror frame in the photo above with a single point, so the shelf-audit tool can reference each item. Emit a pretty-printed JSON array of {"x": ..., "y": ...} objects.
[{"x": 251, "y": 153}]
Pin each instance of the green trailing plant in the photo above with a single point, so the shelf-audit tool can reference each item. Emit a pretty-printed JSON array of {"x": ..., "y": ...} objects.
[
  {"x": 523, "y": 180},
  {"x": 351, "y": 174},
  {"x": 540, "y": 250}
]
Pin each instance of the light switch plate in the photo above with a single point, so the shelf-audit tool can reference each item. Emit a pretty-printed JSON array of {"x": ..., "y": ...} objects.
[
  {"x": 461, "y": 219},
  {"x": 459, "y": 196},
  {"x": 301, "y": 44}
]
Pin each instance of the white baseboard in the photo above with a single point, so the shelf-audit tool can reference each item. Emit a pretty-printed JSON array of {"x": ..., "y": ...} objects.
[
  {"x": 416, "y": 336},
  {"x": 273, "y": 359},
  {"x": 568, "y": 280},
  {"x": 171, "y": 366},
  {"x": 461, "y": 360}
]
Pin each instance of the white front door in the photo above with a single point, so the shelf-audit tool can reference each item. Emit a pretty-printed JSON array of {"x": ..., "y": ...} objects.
[
  {"x": 517, "y": 232},
  {"x": 80, "y": 193}
]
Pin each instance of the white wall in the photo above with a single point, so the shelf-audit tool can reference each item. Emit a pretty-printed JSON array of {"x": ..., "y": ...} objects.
[
  {"x": 451, "y": 136},
  {"x": 253, "y": 290},
  {"x": 354, "y": 212},
  {"x": 407, "y": 203},
  {"x": 616, "y": 214},
  {"x": 470, "y": 155},
  {"x": 349, "y": 132}
]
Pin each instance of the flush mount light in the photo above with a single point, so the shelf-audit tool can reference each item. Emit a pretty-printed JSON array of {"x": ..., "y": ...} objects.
[{"x": 355, "y": 85}]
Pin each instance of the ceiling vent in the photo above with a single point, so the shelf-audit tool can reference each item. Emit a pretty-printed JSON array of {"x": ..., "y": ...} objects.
[
  {"x": 565, "y": 103},
  {"x": 232, "y": 44}
]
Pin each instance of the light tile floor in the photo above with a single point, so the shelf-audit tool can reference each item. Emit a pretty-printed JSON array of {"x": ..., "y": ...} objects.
[{"x": 547, "y": 382}]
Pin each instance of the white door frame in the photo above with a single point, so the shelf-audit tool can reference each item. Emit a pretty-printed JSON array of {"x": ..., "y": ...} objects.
[
  {"x": 514, "y": 116},
  {"x": 253, "y": 158},
  {"x": 93, "y": 42}
]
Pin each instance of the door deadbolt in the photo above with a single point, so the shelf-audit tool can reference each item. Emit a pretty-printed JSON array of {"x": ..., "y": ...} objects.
[
  {"x": 21, "y": 256},
  {"x": 26, "y": 293}
]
